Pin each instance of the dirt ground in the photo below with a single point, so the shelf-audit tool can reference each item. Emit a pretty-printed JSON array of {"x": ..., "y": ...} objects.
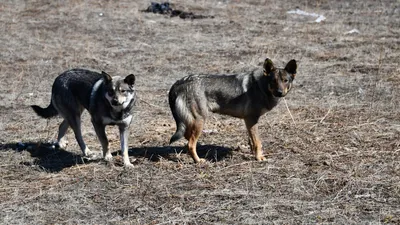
[{"x": 332, "y": 146}]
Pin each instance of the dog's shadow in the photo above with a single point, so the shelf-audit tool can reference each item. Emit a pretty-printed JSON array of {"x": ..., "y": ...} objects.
[
  {"x": 46, "y": 155},
  {"x": 52, "y": 159},
  {"x": 211, "y": 153}
]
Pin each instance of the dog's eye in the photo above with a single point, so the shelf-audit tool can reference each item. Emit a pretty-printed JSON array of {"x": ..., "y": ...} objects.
[
  {"x": 285, "y": 80},
  {"x": 110, "y": 93},
  {"x": 125, "y": 91}
]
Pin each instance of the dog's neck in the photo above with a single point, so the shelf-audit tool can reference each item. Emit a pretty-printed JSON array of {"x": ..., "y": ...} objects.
[
  {"x": 269, "y": 99},
  {"x": 120, "y": 113},
  {"x": 95, "y": 89}
]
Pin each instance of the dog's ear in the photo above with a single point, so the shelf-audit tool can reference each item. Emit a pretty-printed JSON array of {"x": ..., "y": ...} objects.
[
  {"x": 291, "y": 67},
  {"x": 107, "y": 78},
  {"x": 268, "y": 66},
  {"x": 130, "y": 79}
]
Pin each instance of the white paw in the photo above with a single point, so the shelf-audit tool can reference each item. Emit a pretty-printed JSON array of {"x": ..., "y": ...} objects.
[
  {"x": 87, "y": 152},
  {"x": 91, "y": 155},
  {"x": 128, "y": 164},
  {"x": 108, "y": 157},
  {"x": 62, "y": 143}
]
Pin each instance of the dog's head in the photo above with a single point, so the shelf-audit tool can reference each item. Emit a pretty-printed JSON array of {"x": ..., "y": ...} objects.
[
  {"x": 280, "y": 80},
  {"x": 120, "y": 91}
]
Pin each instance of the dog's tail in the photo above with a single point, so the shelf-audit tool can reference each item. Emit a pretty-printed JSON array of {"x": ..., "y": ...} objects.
[
  {"x": 177, "y": 108},
  {"x": 48, "y": 112},
  {"x": 180, "y": 131}
]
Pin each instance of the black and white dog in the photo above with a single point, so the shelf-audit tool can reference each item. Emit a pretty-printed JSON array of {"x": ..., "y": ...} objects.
[{"x": 109, "y": 100}]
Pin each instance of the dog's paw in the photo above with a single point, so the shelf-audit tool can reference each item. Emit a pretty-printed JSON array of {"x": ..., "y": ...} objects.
[
  {"x": 108, "y": 157},
  {"x": 89, "y": 155},
  {"x": 62, "y": 143},
  {"x": 128, "y": 164},
  {"x": 260, "y": 158},
  {"x": 93, "y": 156},
  {"x": 201, "y": 161},
  {"x": 87, "y": 152}
]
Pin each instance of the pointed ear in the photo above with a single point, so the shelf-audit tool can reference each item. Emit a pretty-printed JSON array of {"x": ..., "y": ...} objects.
[
  {"x": 130, "y": 79},
  {"x": 268, "y": 66},
  {"x": 107, "y": 78},
  {"x": 291, "y": 67}
]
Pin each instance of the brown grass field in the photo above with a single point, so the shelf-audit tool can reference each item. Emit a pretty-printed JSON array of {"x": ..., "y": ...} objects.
[{"x": 332, "y": 147}]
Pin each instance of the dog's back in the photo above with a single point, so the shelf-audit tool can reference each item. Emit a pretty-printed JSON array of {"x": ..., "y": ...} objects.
[
  {"x": 232, "y": 95},
  {"x": 70, "y": 90},
  {"x": 74, "y": 87}
]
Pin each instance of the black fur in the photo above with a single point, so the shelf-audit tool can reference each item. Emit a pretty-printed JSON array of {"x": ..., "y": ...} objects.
[{"x": 46, "y": 113}]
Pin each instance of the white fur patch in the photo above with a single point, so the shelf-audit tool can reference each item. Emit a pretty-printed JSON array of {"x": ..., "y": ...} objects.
[
  {"x": 127, "y": 120},
  {"x": 62, "y": 142},
  {"x": 182, "y": 110},
  {"x": 128, "y": 99},
  {"x": 245, "y": 83},
  {"x": 87, "y": 151},
  {"x": 94, "y": 90}
]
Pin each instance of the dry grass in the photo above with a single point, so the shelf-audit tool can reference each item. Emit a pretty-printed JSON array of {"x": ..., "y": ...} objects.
[{"x": 333, "y": 159}]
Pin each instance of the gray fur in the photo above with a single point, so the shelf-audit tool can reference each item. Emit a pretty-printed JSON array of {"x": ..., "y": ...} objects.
[
  {"x": 109, "y": 100},
  {"x": 246, "y": 95}
]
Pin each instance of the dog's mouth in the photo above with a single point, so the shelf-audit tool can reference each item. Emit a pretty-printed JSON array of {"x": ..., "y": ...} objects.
[
  {"x": 121, "y": 105},
  {"x": 115, "y": 102},
  {"x": 279, "y": 94},
  {"x": 120, "y": 102}
]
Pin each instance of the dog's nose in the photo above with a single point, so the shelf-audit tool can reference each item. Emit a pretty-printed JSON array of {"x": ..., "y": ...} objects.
[
  {"x": 279, "y": 93},
  {"x": 114, "y": 102}
]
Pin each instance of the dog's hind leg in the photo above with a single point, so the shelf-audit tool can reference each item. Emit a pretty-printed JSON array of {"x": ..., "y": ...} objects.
[
  {"x": 192, "y": 134},
  {"x": 255, "y": 143},
  {"x": 62, "y": 130},
  {"x": 75, "y": 123}
]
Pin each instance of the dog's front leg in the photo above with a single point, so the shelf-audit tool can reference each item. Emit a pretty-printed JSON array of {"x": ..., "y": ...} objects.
[
  {"x": 100, "y": 129},
  {"x": 124, "y": 134},
  {"x": 255, "y": 143}
]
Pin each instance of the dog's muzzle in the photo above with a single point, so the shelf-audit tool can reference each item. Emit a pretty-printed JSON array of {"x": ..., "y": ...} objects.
[
  {"x": 279, "y": 93},
  {"x": 115, "y": 102}
]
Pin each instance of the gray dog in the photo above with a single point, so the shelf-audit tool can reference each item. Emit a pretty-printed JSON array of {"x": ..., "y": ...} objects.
[
  {"x": 247, "y": 95},
  {"x": 109, "y": 100}
]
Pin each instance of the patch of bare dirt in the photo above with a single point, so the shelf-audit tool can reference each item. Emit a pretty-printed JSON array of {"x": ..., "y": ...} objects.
[{"x": 333, "y": 151}]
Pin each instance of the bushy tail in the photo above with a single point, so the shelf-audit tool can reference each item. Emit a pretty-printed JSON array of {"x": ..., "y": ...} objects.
[
  {"x": 180, "y": 126},
  {"x": 48, "y": 112},
  {"x": 180, "y": 131}
]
